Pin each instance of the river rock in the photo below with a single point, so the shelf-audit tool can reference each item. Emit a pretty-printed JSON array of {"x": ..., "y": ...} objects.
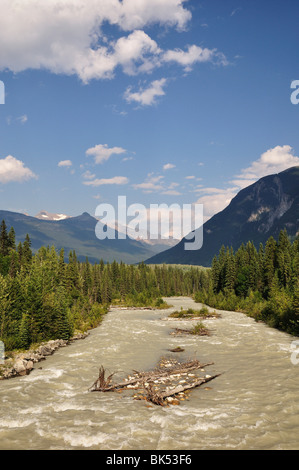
[
  {"x": 24, "y": 362},
  {"x": 29, "y": 365},
  {"x": 20, "y": 366}
]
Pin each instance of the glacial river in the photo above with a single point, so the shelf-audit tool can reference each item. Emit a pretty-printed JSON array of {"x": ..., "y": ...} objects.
[{"x": 254, "y": 404}]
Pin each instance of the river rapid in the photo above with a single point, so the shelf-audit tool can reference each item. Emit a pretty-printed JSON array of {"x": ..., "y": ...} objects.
[{"x": 254, "y": 404}]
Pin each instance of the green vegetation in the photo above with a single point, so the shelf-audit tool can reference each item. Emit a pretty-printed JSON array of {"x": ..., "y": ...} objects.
[
  {"x": 198, "y": 330},
  {"x": 44, "y": 297},
  {"x": 191, "y": 313},
  {"x": 263, "y": 283}
]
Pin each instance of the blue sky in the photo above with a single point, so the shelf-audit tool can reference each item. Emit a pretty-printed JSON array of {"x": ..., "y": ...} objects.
[{"x": 162, "y": 101}]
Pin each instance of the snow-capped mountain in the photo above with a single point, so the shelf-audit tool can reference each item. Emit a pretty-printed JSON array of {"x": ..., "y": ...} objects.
[{"x": 44, "y": 215}]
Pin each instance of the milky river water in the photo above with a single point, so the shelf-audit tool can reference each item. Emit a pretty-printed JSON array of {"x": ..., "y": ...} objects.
[{"x": 254, "y": 404}]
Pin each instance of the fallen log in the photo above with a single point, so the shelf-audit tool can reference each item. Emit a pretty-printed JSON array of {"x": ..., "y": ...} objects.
[
  {"x": 159, "y": 398},
  {"x": 102, "y": 385},
  {"x": 169, "y": 379}
]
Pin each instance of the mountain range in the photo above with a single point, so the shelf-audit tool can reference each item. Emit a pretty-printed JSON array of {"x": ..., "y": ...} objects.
[
  {"x": 75, "y": 233},
  {"x": 256, "y": 213}
]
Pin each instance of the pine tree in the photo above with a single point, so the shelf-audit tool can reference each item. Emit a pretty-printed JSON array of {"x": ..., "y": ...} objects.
[
  {"x": 26, "y": 251},
  {"x": 284, "y": 258},
  {"x": 24, "y": 332},
  {"x": 12, "y": 239},
  {"x": 269, "y": 263},
  {"x": 4, "y": 241}
]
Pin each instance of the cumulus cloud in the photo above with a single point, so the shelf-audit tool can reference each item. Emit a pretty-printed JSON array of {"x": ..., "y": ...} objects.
[
  {"x": 88, "y": 175},
  {"x": 13, "y": 170},
  {"x": 151, "y": 184},
  {"x": 67, "y": 37},
  {"x": 117, "y": 180},
  {"x": 156, "y": 183},
  {"x": 168, "y": 166},
  {"x": 137, "y": 53},
  {"x": 215, "y": 200},
  {"x": 193, "y": 55},
  {"x": 65, "y": 164},
  {"x": 273, "y": 161},
  {"x": 147, "y": 96},
  {"x": 172, "y": 192},
  {"x": 102, "y": 153}
]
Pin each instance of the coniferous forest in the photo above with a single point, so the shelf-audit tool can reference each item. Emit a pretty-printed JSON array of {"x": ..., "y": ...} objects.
[
  {"x": 50, "y": 295},
  {"x": 263, "y": 283}
]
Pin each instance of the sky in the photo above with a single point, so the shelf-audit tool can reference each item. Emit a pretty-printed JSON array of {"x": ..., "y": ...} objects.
[{"x": 161, "y": 101}]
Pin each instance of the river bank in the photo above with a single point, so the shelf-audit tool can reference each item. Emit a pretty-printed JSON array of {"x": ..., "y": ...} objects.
[
  {"x": 22, "y": 363},
  {"x": 253, "y": 404}
]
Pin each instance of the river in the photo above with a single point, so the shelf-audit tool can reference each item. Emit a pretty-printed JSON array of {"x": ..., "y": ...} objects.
[{"x": 254, "y": 404}]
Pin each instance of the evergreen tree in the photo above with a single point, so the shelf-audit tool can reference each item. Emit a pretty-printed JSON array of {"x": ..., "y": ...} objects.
[
  {"x": 24, "y": 332},
  {"x": 4, "y": 241},
  {"x": 12, "y": 239},
  {"x": 26, "y": 251}
]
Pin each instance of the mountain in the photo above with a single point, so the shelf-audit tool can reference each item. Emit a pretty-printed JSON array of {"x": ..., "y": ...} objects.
[
  {"x": 156, "y": 246},
  {"x": 257, "y": 212},
  {"x": 75, "y": 233},
  {"x": 44, "y": 215}
]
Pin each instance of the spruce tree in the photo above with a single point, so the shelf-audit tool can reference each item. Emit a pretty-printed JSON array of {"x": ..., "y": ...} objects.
[
  {"x": 4, "y": 241},
  {"x": 24, "y": 332}
]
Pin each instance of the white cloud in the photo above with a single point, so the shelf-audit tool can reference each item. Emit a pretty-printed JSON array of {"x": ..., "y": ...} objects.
[
  {"x": 138, "y": 13},
  {"x": 194, "y": 55},
  {"x": 66, "y": 37},
  {"x": 214, "y": 200},
  {"x": 168, "y": 166},
  {"x": 117, "y": 180},
  {"x": 102, "y": 153},
  {"x": 13, "y": 170},
  {"x": 157, "y": 184},
  {"x": 147, "y": 96},
  {"x": 137, "y": 53},
  {"x": 151, "y": 184},
  {"x": 65, "y": 164},
  {"x": 23, "y": 119},
  {"x": 172, "y": 192},
  {"x": 273, "y": 161},
  {"x": 88, "y": 175}
]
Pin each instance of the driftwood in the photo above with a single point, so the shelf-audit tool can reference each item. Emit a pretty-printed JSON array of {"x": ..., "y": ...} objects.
[
  {"x": 101, "y": 383},
  {"x": 159, "y": 398},
  {"x": 158, "y": 385}
]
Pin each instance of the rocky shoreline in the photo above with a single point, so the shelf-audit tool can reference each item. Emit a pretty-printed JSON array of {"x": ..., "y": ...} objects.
[{"x": 23, "y": 363}]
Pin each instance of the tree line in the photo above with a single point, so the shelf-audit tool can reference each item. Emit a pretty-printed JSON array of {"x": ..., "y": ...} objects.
[
  {"x": 262, "y": 282},
  {"x": 45, "y": 296}
]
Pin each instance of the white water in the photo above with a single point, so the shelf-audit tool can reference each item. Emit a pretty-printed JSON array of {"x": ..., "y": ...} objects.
[{"x": 254, "y": 404}]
